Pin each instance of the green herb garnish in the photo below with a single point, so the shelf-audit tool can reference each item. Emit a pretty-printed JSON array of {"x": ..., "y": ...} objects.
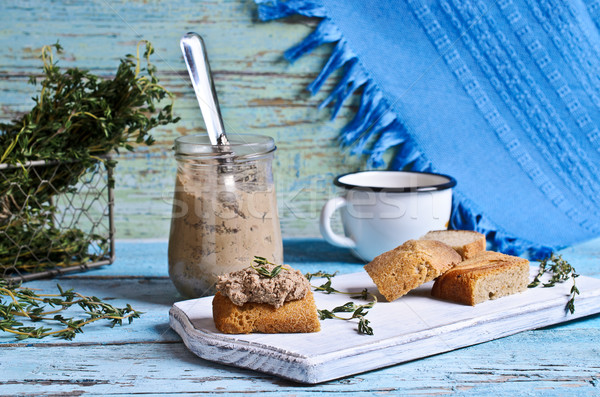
[
  {"x": 561, "y": 271},
  {"x": 328, "y": 289},
  {"x": 16, "y": 302},
  {"x": 358, "y": 311},
  {"x": 320, "y": 274},
  {"x": 325, "y": 287},
  {"x": 263, "y": 271}
]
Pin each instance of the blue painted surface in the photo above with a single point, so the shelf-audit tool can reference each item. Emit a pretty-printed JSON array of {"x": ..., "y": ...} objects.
[{"x": 146, "y": 357}]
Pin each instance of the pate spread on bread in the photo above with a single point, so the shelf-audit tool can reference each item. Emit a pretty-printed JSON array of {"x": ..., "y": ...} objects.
[
  {"x": 247, "y": 302},
  {"x": 247, "y": 285}
]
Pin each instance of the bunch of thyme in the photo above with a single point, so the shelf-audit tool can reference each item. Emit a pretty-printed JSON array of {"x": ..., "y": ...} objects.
[
  {"x": 78, "y": 118},
  {"x": 17, "y": 302},
  {"x": 69, "y": 247},
  {"x": 561, "y": 271}
]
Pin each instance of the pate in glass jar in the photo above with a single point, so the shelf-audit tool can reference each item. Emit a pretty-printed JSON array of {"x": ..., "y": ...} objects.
[{"x": 224, "y": 210}]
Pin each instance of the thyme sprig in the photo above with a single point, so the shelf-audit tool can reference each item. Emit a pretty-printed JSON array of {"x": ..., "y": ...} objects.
[
  {"x": 325, "y": 287},
  {"x": 320, "y": 274},
  {"x": 263, "y": 271},
  {"x": 328, "y": 289},
  {"x": 561, "y": 271},
  {"x": 358, "y": 311},
  {"x": 16, "y": 301}
]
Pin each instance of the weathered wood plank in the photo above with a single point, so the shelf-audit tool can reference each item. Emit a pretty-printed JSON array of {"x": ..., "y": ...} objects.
[
  {"x": 531, "y": 363},
  {"x": 258, "y": 90}
]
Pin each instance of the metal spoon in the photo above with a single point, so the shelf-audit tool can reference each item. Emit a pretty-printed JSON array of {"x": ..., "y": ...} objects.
[{"x": 194, "y": 54}]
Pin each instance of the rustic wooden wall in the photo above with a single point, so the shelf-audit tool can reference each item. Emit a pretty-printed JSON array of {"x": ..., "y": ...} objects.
[{"x": 259, "y": 92}]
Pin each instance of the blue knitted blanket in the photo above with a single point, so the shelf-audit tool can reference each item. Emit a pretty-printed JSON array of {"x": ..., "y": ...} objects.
[{"x": 503, "y": 95}]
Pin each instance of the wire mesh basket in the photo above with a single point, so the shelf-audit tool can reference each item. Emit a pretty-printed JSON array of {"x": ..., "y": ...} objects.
[{"x": 58, "y": 219}]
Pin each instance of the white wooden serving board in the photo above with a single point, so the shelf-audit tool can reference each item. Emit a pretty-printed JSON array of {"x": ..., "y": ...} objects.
[{"x": 411, "y": 327}]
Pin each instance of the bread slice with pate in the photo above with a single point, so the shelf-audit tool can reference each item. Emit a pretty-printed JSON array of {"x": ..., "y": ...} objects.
[
  {"x": 251, "y": 301},
  {"x": 294, "y": 316},
  {"x": 467, "y": 243},
  {"x": 487, "y": 275}
]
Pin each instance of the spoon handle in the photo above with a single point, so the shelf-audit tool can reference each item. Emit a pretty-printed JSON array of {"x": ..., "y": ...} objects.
[{"x": 194, "y": 54}]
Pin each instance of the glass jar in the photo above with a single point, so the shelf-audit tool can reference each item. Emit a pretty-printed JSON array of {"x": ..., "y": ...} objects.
[{"x": 224, "y": 210}]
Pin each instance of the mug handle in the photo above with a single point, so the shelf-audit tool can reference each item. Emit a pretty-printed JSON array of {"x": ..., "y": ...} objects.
[{"x": 325, "y": 224}]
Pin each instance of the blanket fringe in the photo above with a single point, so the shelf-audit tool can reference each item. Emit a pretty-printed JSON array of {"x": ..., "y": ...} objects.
[{"x": 376, "y": 128}]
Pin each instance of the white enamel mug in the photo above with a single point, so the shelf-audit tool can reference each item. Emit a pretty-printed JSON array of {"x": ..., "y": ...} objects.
[{"x": 382, "y": 209}]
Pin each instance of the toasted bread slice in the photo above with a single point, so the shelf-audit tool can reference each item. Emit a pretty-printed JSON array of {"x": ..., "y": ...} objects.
[
  {"x": 413, "y": 263},
  {"x": 466, "y": 242},
  {"x": 488, "y": 275},
  {"x": 294, "y": 316}
]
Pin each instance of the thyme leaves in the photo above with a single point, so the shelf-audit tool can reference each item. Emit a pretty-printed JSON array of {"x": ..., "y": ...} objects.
[
  {"x": 17, "y": 302},
  {"x": 265, "y": 272},
  {"x": 560, "y": 271},
  {"x": 358, "y": 311}
]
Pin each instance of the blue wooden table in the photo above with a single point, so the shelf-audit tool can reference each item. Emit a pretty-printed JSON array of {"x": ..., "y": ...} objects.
[{"x": 146, "y": 357}]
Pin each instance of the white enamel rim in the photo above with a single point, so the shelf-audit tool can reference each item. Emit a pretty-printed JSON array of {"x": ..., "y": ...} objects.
[{"x": 395, "y": 181}]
